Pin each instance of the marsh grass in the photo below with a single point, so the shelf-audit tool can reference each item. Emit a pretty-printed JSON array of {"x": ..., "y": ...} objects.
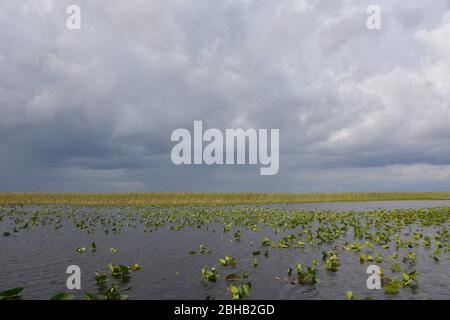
[{"x": 210, "y": 199}]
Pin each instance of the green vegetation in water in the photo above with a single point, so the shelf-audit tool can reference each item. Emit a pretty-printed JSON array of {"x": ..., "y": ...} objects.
[
  {"x": 202, "y": 249},
  {"x": 395, "y": 239},
  {"x": 351, "y": 296},
  {"x": 113, "y": 292},
  {"x": 111, "y": 289},
  {"x": 63, "y": 296},
  {"x": 11, "y": 294},
  {"x": 242, "y": 290},
  {"x": 210, "y": 275},
  {"x": 228, "y": 261},
  {"x": 392, "y": 286},
  {"x": 302, "y": 275}
]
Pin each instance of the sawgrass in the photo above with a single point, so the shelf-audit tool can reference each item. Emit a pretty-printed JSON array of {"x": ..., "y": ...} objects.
[{"x": 170, "y": 198}]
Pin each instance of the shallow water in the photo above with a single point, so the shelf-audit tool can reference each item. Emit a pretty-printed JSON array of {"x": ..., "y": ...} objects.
[
  {"x": 36, "y": 258},
  {"x": 364, "y": 206}
]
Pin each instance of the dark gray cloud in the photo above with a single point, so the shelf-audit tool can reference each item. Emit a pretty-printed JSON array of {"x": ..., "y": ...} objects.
[{"x": 93, "y": 110}]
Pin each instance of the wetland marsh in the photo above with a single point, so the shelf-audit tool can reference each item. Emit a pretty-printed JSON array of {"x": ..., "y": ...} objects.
[{"x": 276, "y": 251}]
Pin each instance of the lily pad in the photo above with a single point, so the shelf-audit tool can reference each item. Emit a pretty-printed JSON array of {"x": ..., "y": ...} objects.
[
  {"x": 11, "y": 294},
  {"x": 63, "y": 296}
]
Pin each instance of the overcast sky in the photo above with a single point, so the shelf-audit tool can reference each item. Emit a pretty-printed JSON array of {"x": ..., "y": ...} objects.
[{"x": 93, "y": 109}]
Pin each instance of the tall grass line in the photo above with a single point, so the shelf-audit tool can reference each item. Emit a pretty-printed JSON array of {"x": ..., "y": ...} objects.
[{"x": 171, "y": 198}]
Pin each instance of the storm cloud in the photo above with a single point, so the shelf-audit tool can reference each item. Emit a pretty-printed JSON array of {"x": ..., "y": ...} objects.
[{"x": 93, "y": 109}]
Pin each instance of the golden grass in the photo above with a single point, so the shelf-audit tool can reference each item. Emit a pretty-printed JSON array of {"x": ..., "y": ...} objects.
[{"x": 168, "y": 198}]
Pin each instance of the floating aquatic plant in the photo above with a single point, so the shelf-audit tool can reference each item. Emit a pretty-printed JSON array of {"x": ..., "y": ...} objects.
[
  {"x": 203, "y": 249},
  {"x": 119, "y": 271},
  {"x": 266, "y": 241},
  {"x": 90, "y": 296},
  {"x": 100, "y": 278},
  {"x": 81, "y": 250},
  {"x": 210, "y": 275},
  {"x": 332, "y": 262},
  {"x": 392, "y": 286},
  {"x": 395, "y": 267},
  {"x": 409, "y": 278},
  {"x": 136, "y": 267},
  {"x": 228, "y": 261},
  {"x": 63, "y": 296},
  {"x": 11, "y": 294},
  {"x": 237, "y": 235},
  {"x": 397, "y": 238},
  {"x": 410, "y": 258},
  {"x": 302, "y": 275},
  {"x": 241, "y": 291},
  {"x": 113, "y": 293},
  {"x": 350, "y": 295}
]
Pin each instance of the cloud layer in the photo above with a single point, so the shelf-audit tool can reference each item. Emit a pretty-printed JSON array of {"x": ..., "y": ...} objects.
[{"x": 93, "y": 110}]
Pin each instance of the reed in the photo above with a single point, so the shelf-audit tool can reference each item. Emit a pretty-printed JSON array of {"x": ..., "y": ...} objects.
[{"x": 210, "y": 199}]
